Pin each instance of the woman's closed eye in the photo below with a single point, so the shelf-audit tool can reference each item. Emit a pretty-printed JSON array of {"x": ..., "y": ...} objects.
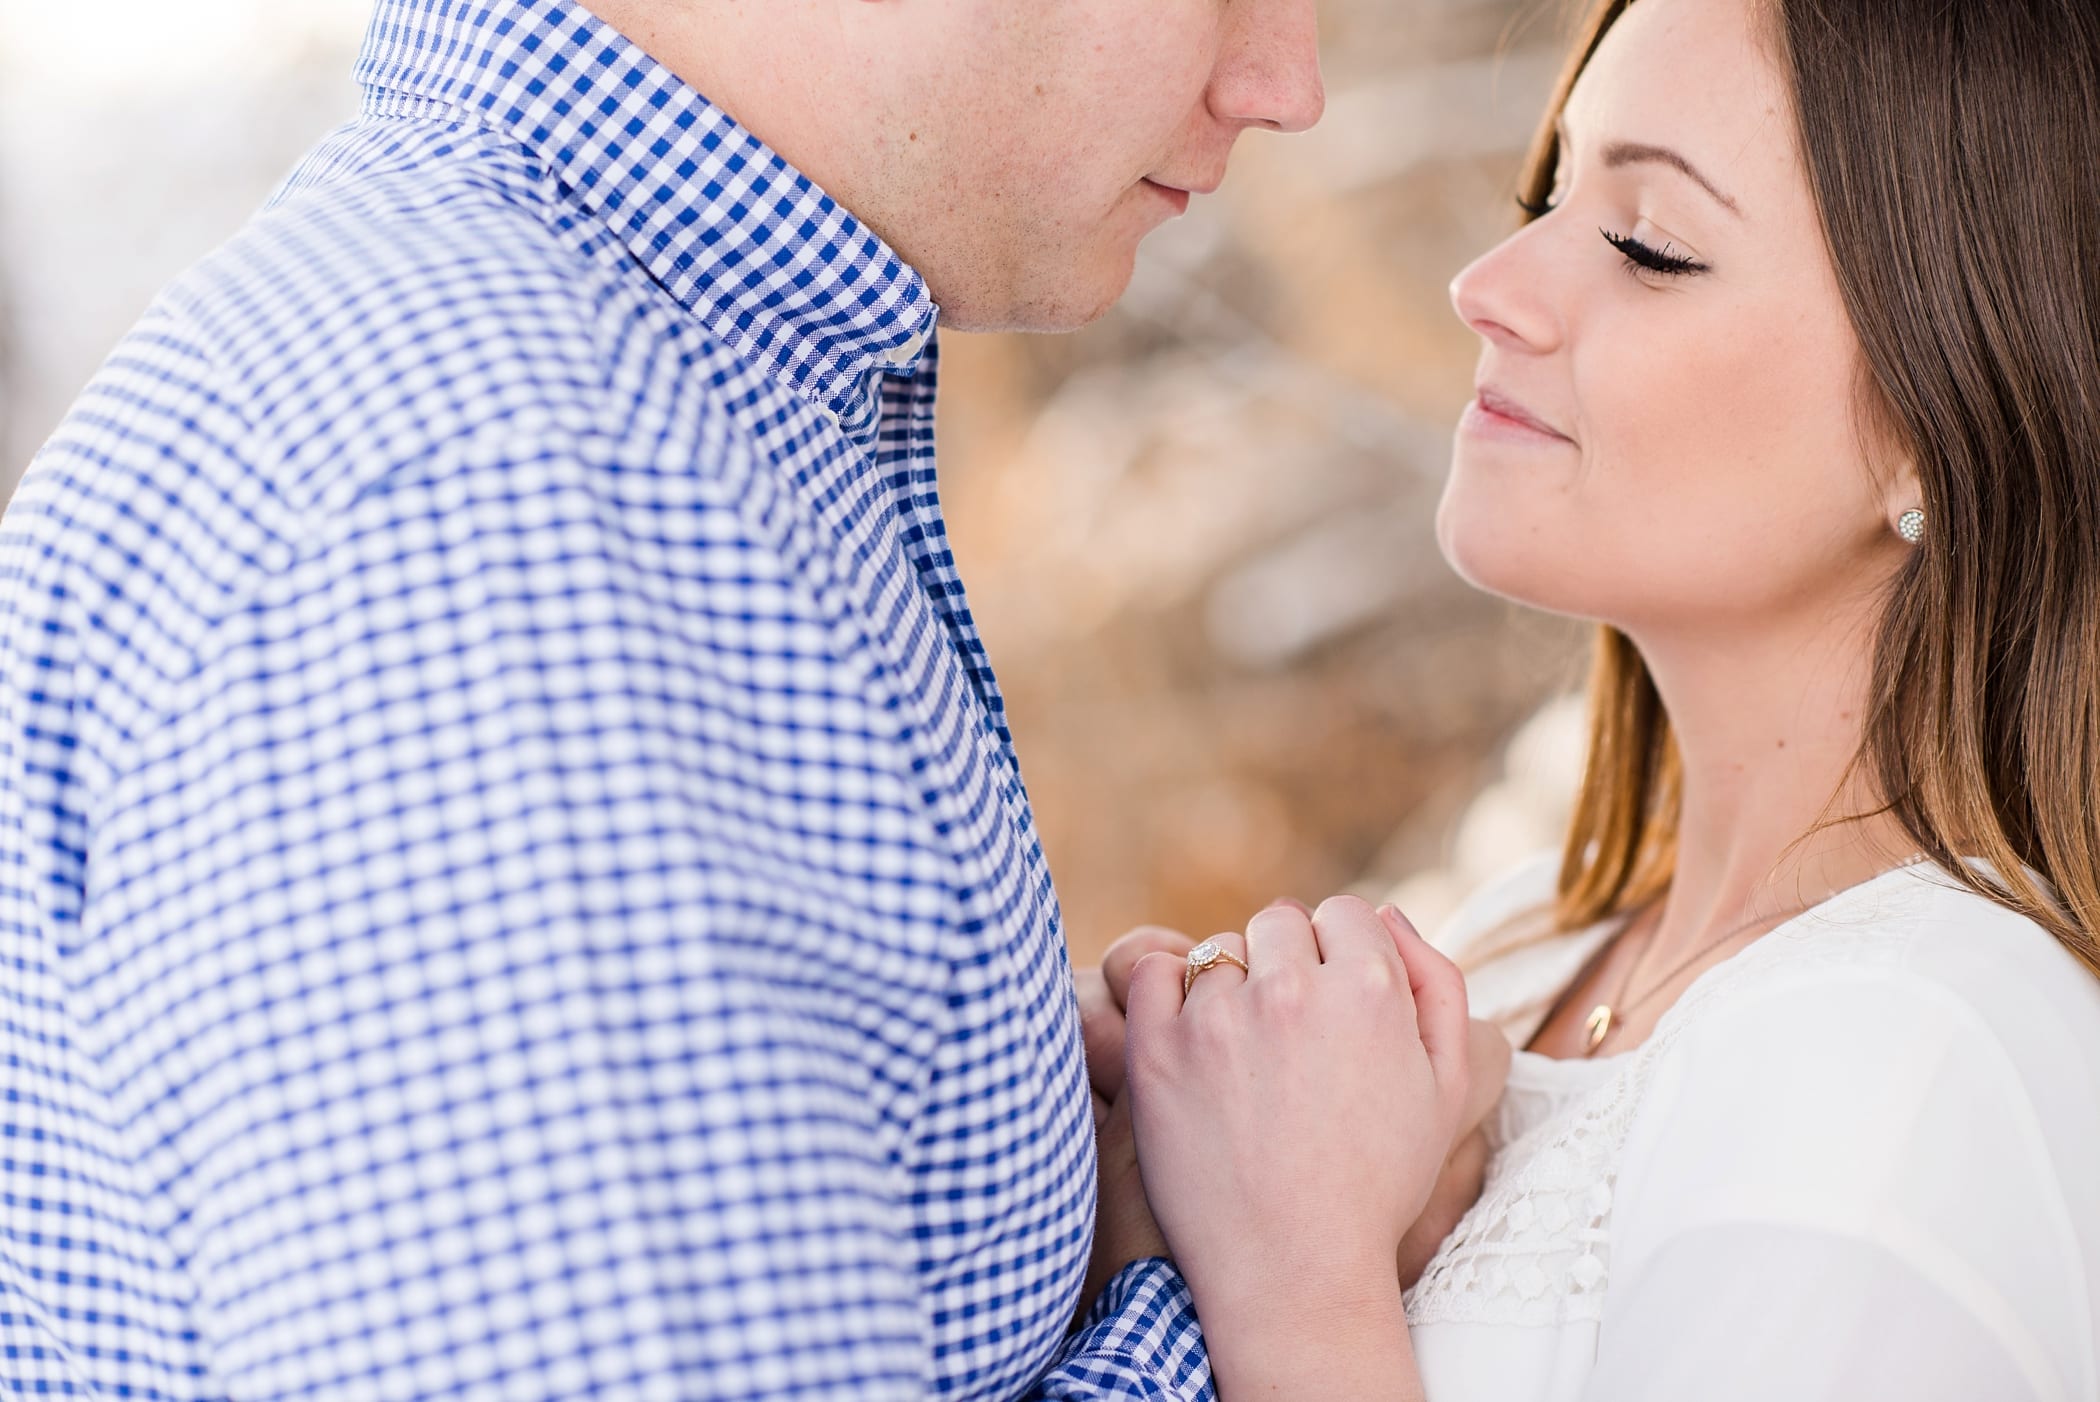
[
  {"x": 1640, "y": 256},
  {"x": 1643, "y": 257}
]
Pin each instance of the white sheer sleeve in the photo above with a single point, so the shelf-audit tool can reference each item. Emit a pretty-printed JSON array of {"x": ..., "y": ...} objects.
[
  {"x": 1840, "y": 1188},
  {"x": 1755, "y": 1312}
]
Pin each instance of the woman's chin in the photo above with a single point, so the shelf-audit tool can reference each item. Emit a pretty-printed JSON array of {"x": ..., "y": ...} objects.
[
  {"x": 1487, "y": 549},
  {"x": 1505, "y": 564}
]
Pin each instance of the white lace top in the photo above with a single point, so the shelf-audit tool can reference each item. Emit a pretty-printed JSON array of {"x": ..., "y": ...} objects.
[{"x": 1858, "y": 1160}]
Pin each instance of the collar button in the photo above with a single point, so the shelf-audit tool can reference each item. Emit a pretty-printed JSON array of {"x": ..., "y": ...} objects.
[{"x": 909, "y": 351}]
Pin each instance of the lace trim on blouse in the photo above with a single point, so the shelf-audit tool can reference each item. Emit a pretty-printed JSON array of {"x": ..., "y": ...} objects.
[{"x": 1535, "y": 1249}]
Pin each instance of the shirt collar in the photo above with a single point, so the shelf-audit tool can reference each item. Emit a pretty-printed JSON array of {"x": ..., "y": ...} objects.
[{"x": 774, "y": 267}]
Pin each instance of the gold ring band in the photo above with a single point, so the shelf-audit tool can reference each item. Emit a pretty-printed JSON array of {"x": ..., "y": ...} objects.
[{"x": 1205, "y": 957}]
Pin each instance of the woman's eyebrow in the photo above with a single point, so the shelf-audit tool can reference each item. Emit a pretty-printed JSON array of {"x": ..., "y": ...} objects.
[{"x": 1628, "y": 153}]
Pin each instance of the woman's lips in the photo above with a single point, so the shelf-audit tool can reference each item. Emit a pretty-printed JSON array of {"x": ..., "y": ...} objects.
[{"x": 1497, "y": 415}]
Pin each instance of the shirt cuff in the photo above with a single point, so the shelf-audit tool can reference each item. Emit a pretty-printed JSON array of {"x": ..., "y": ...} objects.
[{"x": 1140, "y": 1340}]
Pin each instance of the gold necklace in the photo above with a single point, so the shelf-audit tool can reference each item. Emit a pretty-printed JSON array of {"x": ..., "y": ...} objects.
[{"x": 1605, "y": 1016}]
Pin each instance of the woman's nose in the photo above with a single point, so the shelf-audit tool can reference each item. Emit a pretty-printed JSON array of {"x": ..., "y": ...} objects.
[{"x": 1503, "y": 295}]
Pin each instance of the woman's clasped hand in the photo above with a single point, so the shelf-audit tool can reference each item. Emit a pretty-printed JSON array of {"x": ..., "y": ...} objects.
[{"x": 1294, "y": 1130}]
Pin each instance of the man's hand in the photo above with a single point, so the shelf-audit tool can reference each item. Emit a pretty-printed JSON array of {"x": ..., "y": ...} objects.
[
  {"x": 1123, "y": 1227},
  {"x": 1458, "y": 1186},
  {"x": 1102, "y": 993}
]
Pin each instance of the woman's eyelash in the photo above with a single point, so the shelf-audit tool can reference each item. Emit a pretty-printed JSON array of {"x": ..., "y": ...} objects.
[
  {"x": 1655, "y": 260},
  {"x": 1639, "y": 256}
]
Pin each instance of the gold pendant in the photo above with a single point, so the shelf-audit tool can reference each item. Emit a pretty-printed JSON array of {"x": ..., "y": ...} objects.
[{"x": 1599, "y": 1024}]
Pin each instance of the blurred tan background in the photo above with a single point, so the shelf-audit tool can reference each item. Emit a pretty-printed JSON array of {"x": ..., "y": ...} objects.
[{"x": 1197, "y": 535}]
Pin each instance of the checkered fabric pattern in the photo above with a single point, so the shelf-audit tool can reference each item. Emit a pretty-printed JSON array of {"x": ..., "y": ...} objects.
[{"x": 514, "y": 882}]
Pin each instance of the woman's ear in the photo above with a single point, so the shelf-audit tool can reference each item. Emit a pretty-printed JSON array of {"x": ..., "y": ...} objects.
[
  {"x": 1903, "y": 502},
  {"x": 1891, "y": 461}
]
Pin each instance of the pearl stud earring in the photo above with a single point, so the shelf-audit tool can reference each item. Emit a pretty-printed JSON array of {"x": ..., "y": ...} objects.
[{"x": 1911, "y": 525}]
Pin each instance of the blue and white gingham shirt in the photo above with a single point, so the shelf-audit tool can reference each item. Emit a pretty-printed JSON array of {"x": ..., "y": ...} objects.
[{"x": 513, "y": 879}]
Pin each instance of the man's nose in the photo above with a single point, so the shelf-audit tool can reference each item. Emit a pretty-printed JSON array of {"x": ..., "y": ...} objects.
[{"x": 1269, "y": 67}]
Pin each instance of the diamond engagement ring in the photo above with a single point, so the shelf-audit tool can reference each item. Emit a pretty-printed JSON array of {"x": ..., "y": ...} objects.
[{"x": 1205, "y": 957}]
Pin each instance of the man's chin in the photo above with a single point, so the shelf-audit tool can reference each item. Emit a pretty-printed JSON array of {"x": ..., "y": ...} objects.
[{"x": 1056, "y": 302}]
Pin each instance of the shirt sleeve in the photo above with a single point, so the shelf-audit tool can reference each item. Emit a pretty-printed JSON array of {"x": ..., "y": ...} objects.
[
  {"x": 535, "y": 1011},
  {"x": 1837, "y": 1190},
  {"x": 1139, "y": 1340}
]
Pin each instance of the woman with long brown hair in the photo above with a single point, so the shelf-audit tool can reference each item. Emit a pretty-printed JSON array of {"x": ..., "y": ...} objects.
[{"x": 1791, "y": 382}]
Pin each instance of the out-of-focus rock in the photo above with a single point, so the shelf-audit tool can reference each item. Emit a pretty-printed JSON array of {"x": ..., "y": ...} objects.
[
  {"x": 1523, "y": 810},
  {"x": 1379, "y": 132},
  {"x": 1199, "y": 535}
]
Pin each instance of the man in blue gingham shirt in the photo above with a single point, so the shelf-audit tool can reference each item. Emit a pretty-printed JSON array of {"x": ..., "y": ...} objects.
[{"x": 516, "y": 881}]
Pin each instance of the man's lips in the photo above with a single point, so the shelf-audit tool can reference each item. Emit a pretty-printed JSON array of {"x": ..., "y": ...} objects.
[
  {"x": 1491, "y": 408},
  {"x": 1173, "y": 194}
]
